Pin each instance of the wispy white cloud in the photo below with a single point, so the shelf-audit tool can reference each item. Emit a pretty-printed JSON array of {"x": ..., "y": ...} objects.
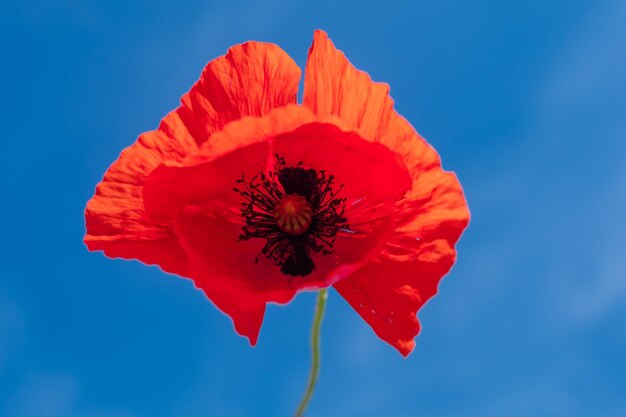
[
  {"x": 564, "y": 190},
  {"x": 605, "y": 290},
  {"x": 583, "y": 103},
  {"x": 565, "y": 197}
]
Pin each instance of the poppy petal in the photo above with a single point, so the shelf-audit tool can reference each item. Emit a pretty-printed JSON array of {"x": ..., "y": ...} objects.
[
  {"x": 389, "y": 291},
  {"x": 334, "y": 87},
  {"x": 198, "y": 195},
  {"x": 250, "y": 79},
  {"x": 116, "y": 221}
]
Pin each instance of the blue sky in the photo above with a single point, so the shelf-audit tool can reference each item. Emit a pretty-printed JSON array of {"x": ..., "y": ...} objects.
[{"x": 526, "y": 101}]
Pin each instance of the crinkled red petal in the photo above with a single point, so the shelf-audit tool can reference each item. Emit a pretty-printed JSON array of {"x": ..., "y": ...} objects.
[
  {"x": 249, "y": 80},
  {"x": 388, "y": 291}
]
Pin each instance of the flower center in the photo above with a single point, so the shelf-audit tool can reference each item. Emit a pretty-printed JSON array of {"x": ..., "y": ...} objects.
[
  {"x": 297, "y": 212},
  {"x": 293, "y": 214}
]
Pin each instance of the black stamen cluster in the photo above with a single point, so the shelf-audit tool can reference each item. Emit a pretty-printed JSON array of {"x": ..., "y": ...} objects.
[{"x": 263, "y": 192}]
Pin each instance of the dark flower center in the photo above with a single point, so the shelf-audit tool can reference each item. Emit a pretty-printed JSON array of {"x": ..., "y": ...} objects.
[{"x": 297, "y": 212}]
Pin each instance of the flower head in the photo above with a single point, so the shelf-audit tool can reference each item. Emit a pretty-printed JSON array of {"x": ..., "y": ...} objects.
[{"x": 256, "y": 198}]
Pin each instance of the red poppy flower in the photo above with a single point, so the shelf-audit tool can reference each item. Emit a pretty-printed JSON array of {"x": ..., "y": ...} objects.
[{"x": 256, "y": 198}]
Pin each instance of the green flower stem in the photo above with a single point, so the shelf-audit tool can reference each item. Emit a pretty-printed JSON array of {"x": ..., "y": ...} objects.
[{"x": 315, "y": 350}]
